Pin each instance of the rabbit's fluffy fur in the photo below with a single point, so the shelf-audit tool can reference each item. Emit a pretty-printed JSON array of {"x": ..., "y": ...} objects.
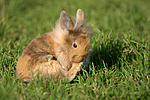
[{"x": 61, "y": 52}]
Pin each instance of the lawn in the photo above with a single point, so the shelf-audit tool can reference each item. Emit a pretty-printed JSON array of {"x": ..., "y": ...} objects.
[{"x": 120, "y": 61}]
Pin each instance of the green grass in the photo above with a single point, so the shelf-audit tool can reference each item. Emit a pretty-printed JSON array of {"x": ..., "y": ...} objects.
[{"x": 120, "y": 61}]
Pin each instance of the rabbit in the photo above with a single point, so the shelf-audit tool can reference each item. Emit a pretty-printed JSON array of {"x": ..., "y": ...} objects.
[{"x": 62, "y": 52}]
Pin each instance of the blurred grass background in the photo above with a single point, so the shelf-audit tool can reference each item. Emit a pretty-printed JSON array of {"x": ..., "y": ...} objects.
[{"x": 120, "y": 62}]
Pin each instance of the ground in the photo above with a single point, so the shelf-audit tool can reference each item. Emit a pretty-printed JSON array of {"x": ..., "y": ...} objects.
[{"x": 120, "y": 61}]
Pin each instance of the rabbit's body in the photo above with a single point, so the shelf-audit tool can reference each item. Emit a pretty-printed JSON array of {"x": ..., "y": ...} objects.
[{"x": 61, "y": 52}]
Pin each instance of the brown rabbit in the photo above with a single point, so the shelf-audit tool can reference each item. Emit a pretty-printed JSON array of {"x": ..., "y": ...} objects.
[{"x": 61, "y": 52}]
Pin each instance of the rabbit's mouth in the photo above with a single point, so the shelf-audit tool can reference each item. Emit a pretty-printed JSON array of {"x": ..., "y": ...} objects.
[{"x": 78, "y": 58}]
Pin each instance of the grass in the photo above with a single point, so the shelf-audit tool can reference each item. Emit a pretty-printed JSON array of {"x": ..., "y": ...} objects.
[{"x": 120, "y": 61}]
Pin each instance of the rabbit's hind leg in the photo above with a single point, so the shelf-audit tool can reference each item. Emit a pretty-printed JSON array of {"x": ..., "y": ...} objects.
[{"x": 47, "y": 67}]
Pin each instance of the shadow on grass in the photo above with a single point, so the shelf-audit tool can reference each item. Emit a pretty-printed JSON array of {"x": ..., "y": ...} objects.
[
  {"x": 107, "y": 55},
  {"x": 111, "y": 53}
]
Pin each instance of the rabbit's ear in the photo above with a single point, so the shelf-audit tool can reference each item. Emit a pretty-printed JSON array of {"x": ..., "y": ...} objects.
[
  {"x": 80, "y": 16},
  {"x": 65, "y": 21}
]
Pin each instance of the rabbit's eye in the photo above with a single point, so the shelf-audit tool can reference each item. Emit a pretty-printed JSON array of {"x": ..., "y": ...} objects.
[{"x": 74, "y": 45}]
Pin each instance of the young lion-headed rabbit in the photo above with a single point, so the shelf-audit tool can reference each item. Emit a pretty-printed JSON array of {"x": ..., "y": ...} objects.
[{"x": 61, "y": 52}]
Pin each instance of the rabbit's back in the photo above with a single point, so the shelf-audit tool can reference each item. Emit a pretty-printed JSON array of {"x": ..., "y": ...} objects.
[{"x": 38, "y": 56}]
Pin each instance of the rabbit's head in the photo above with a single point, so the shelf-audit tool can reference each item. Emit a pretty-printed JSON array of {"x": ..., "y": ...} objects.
[{"x": 72, "y": 36}]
